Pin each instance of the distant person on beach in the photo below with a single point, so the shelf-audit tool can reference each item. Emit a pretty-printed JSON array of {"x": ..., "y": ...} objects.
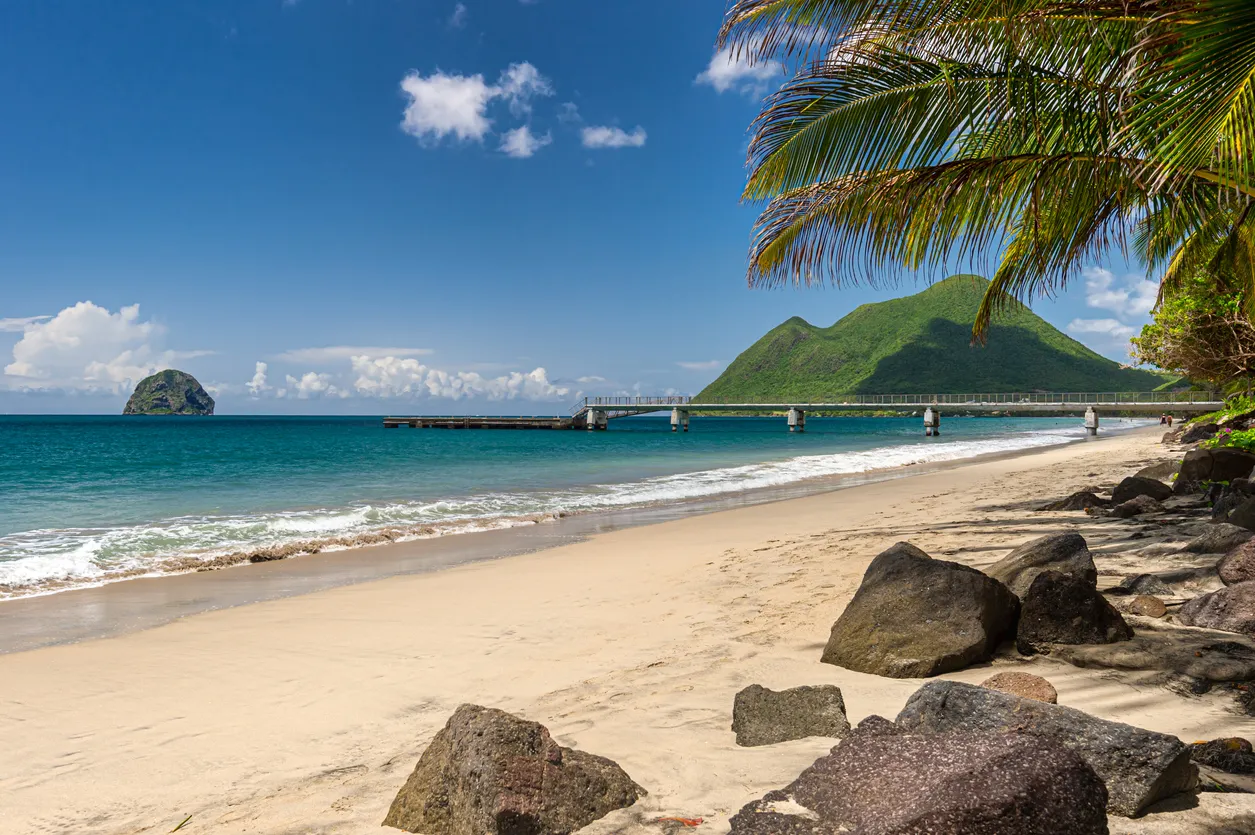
[
  {"x": 1169, "y": 421},
  {"x": 1163, "y": 419}
]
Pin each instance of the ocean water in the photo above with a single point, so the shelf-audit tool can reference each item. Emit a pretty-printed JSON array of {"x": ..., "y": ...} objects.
[{"x": 89, "y": 500}]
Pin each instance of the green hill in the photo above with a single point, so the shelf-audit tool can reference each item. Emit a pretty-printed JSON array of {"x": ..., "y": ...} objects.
[{"x": 921, "y": 345}]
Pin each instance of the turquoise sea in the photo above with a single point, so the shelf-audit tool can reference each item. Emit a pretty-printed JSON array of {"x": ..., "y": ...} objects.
[{"x": 87, "y": 500}]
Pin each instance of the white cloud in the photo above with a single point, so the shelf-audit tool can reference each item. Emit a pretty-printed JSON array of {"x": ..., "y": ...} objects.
[
  {"x": 1102, "y": 327},
  {"x": 457, "y": 19},
  {"x": 569, "y": 113},
  {"x": 87, "y": 347},
  {"x": 1132, "y": 297},
  {"x": 521, "y": 143},
  {"x": 727, "y": 72},
  {"x": 611, "y": 137},
  {"x": 312, "y": 384},
  {"x": 397, "y": 377},
  {"x": 21, "y": 323},
  {"x": 592, "y": 378},
  {"x": 333, "y": 353},
  {"x": 706, "y": 365},
  {"x": 444, "y": 104},
  {"x": 257, "y": 385}
]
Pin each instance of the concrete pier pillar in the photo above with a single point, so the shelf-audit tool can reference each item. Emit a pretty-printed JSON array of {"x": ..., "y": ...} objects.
[
  {"x": 596, "y": 419},
  {"x": 797, "y": 420},
  {"x": 676, "y": 418},
  {"x": 932, "y": 422},
  {"x": 1091, "y": 421}
]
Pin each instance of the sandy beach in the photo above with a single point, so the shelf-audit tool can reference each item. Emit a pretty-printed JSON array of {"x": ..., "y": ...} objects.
[{"x": 306, "y": 714}]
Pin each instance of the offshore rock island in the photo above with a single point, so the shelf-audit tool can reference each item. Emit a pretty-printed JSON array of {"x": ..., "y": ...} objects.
[{"x": 169, "y": 392}]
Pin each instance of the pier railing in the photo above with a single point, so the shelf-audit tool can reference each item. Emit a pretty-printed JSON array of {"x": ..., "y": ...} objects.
[{"x": 1008, "y": 399}]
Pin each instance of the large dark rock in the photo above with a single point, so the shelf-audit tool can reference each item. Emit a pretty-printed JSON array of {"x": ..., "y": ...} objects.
[
  {"x": 765, "y": 717},
  {"x": 1231, "y": 609},
  {"x": 1136, "y": 507},
  {"x": 1081, "y": 500},
  {"x": 1238, "y": 566},
  {"x": 1162, "y": 471},
  {"x": 1199, "y": 432},
  {"x": 1207, "y": 465},
  {"x": 1062, "y": 609},
  {"x": 1218, "y": 539},
  {"x": 915, "y": 616},
  {"x": 169, "y": 392},
  {"x": 883, "y": 782},
  {"x": 489, "y": 773},
  {"x": 1065, "y": 552},
  {"x": 1144, "y": 584},
  {"x": 1134, "y": 486},
  {"x": 1243, "y": 515},
  {"x": 1139, "y": 767}
]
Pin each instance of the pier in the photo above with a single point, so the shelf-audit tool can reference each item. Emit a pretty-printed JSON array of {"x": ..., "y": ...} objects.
[{"x": 595, "y": 413}]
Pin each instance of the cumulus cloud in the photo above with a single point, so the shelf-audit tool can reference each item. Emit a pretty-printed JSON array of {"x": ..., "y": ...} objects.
[
  {"x": 1133, "y": 296},
  {"x": 592, "y": 378},
  {"x": 312, "y": 384},
  {"x": 398, "y": 377},
  {"x": 333, "y": 353},
  {"x": 706, "y": 365},
  {"x": 1104, "y": 327},
  {"x": 521, "y": 143},
  {"x": 88, "y": 347},
  {"x": 604, "y": 136},
  {"x": 21, "y": 323},
  {"x": 726, "y": 71},
  {"x": 446, "y": 104},
  {"x": 257, "y": 386}
]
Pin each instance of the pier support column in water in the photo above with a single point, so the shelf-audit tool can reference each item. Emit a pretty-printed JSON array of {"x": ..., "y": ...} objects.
[
  {"x": 797, "y": 420},
  {"x": 679, "y": 418},
  {"x": 596, "y": 419},
  {"x": 1091, "y": 421},
  {"x": 932, "y": 422}
]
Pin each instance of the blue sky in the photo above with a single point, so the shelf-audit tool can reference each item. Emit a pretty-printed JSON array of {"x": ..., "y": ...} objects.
[{"x": 394, "y": 205}]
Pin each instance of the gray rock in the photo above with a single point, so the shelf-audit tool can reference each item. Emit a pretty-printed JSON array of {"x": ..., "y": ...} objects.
[
  {"x": 1218, "y": 539},
  {"x": 879, "y": 782},
  {"x": 1243, "y": 515},
  {"x": 1199, "y": 432},
  {"x": 1163, "y": 471},
  {"x": 1065, "y": 552},
  {"x": 489, "y": 773},
  {"x": 1081, "y": 500},
  {"x": 765, "y": 717},
  {"x": 1134, "y": 486},
  {"x": 1209, "y": 465},
  {"x": 1144, "y": 584},
  {"x": 1231, "y": 609},
  {"x": 1139, "y": 767},
  {"x": 1062, "y": 609},
  {"x": 1136, "y": 507},
  {"x": 1238, "y": 566},
  {"x": 914, "y": 616}
]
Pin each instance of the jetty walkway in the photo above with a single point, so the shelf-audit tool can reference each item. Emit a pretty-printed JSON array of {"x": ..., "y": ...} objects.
[{"x": 595, "y": 413}]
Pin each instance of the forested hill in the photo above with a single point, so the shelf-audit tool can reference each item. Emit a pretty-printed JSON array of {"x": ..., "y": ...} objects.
[{"x": 921, "y": 345}]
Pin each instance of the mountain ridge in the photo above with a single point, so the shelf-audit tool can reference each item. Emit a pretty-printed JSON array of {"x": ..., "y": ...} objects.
[{"x": 920, "y": 344}]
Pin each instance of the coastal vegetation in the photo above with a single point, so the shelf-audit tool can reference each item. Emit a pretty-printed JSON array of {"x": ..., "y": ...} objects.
[
  {"x": 1031, "y": 135},
  {"x": 920, "y": 344},
  {"x": 169, "y": 392}
]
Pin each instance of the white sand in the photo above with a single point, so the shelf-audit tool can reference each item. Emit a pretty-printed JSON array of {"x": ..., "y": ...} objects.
[{"x": 305, "y": 715}]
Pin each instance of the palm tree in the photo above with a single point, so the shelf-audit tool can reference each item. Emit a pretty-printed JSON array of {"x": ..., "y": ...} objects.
[{"x": 1026, "y": 135}]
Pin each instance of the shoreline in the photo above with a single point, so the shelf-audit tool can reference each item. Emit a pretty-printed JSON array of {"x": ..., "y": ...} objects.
[
  {"x": 306, "y": 714},
  {"x": 128, "y": 604}
]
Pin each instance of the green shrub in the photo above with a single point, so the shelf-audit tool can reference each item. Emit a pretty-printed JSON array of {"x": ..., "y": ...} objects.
[{"x": 1243, "y": 439}]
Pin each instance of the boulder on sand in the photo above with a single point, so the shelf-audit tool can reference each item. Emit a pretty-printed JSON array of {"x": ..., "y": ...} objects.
[
  {"x": 914, "y": 616},
  {"x": 1136, "y": 507},
  {"x": 1062, "y": 609},
  {"x": 1139, "y": 767},
  {"x": 1023, "y": 684},
  {"x": 1134, "y": 486},
  {"x": 765, "y": 717},
  {"x": 489, "y": 773},
  {"x": 1233, "y": 755},
  {"x": 1238, "y": 566},
  {"x": 1148, "y": 606},
  {"x": 1143, "y": 584},
  {"x": 1162, "y": 471},
  {"x": 1199, "y": 432},
  {"x": 1231, "y": 609},
  {"x": 1207, "y": 465},
  {"x": 882, "y": 782},
  {"x": 1243, "y": 515},
  {"x": 1218, "y": 539},
  {"x": 1081, "y": 500},
  {"x": 1064, "y": 552}
]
